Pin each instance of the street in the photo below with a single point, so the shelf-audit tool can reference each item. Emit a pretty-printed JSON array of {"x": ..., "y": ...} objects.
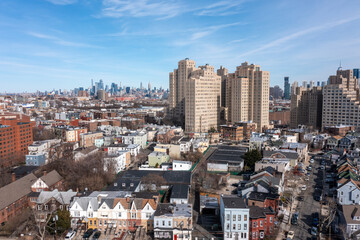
[{"x": 308, "y": 205}]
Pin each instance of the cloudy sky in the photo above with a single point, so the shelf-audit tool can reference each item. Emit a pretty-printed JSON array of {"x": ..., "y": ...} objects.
[{"x": 63, "y": 44}]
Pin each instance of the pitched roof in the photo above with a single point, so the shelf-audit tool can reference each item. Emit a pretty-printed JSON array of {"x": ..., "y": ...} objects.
[
  {"x": 16, "y": 190},
  {"x": 290, "y": 154},
  {"x": 61, "y": 197},
  {"x": 51, "y": 178}
]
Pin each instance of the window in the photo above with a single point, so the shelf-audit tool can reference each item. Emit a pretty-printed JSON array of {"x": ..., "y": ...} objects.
[
  {"x": 227, "y": 226},
  {"x": 100, "y": 222},
  {"x": 46, "y": 207},
  {"x": 234, "y": 227},
  {"x": 119, "y": 214},
  {"x": 245, "y": 217},
  {"x": 254, "y": 224},
  {"x": 234, "y": 217},
  {"x": 90, "y": 222},
  {"x": 270, "y": 219},
  {"x": 175, "y": 223},
  {"x": 39, "y": 207},
  {"x": 163, "y": 223},
  {"x": 157, "y": 223},
  {"x": 261, "y": 223},
  {"x": 253, "y": 234},
  {"x": 245, "y": 226},
  {"x": 239, "y": 226},
  {"x": 169, "y": 223},
  {"x": 239, "y": 217},
  {"x": 227, "y": 217}
]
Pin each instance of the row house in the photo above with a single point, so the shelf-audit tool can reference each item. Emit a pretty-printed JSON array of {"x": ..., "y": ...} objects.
[
  {"x": 49, "y": 202},
  {"x": 262, "y": 222},
  {"x": 114, "y": 211},
  {"x": 234, "y": 216},
  {"x": 173, "y": 221}
]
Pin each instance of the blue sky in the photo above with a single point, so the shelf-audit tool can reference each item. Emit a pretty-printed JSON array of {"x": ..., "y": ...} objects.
[{"x": 47, "y": 44}]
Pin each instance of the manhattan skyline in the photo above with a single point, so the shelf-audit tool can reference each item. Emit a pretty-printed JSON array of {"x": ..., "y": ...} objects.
[{"x": 63, "y": 44}]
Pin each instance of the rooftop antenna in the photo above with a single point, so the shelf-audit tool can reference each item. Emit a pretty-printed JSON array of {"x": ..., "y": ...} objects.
[{"x": 340, "y": 67}]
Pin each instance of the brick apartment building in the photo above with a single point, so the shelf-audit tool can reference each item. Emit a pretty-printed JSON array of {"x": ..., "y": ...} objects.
[
  {"x": 15, "y": 137},
  {"x": 261, "y": 222}
]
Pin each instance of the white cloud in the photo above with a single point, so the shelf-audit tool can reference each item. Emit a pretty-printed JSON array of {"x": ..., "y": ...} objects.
[
  {"x": 141, "y": 8},
  {"x": 60, "y": 41},
  {"x": 62, "y": 2},
  {"x": 222, "y": 8},
  {"x": 299, "y": 34}
]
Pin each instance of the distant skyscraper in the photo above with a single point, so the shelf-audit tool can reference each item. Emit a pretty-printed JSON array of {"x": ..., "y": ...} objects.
[
  {"x": 149, "y": 86},
  {"x": 177, "y": 80},
  {"x": 287, "y": 88},
  {"x": 223, "y": 73},
  {"x": 311, "y": 84},
  {"x": 306, "y": 107},
  {"x": 341, "y": 100},
  {"x": 357, "y": 74},
  {"x": 276, "y": 92},
  {"x": 250, "y": 95},
  {"x": 304, "y": 84},
  {"x": 141, "y": 86},
  {"x": 127, "y": 89},
  {"x": 202, "y": 100}
]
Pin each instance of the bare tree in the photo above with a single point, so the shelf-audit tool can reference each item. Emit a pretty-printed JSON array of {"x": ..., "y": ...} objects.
[{"x": 152, "y": 182}]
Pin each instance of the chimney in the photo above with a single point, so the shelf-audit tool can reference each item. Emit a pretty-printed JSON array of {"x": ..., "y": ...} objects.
[
  {"x": 13, "y": 177},
  {"x": 127, "y": 199},
  {"x": 44, "y": 173}
]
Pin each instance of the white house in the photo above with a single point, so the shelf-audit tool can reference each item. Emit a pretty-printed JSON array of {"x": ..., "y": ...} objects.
[
  {"x": 179, "y": 165},
  {"x": 234, "y": 217},
  {"x": 348, "y": 193}
]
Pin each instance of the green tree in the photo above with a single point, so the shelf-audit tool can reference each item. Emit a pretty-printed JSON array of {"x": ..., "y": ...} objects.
[
  {"x": 251, "y": 157},
  {"x": 62, "y": 224}
]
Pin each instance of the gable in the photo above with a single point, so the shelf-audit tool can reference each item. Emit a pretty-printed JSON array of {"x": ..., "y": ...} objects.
[{"x": 39, "y": 183}]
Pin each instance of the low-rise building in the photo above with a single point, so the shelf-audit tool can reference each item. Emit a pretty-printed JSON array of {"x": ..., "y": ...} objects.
[
  {"x": 49, "y": 202},
  {"x": 119, "y": 161},
  {"x": 178, "y": 165},
  {"x": 35, "y": 159},
  {"x": 173, "y": 221},
  {"x": 235, "y": 217},
  {"x": 157, "y": 158},
  {"x": 352, "y": 220},
  {"x": 88, "y": 139},
  {"x": 262, "y": 222},
  {"x": 179, "y": 194}
]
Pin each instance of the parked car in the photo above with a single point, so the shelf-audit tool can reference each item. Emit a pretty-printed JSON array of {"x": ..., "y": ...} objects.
[
  {"x": 70, "y": 235},
  {"x": 294, "y": 218},
  {"x": 303, "y": 187},
  {"x": 300, "y": 198},
  {"x": 313, "y": 231},
  {"x": 96, "y": 235},
  {"x": 307, "y": 178},
  {"x": 322, "y": 167},
  {"x": 290, "y": 235},
  {"x": 88, "y": 233},
  {"x": 309, "y": 168},
  {"x": 311, "y": 160}
]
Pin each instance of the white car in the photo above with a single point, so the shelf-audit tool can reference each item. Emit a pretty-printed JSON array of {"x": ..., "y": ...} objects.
[
  {"x": 312, "y": 160},
  {"x": 303, "y": 187},
  {"x": 290, "y": 235},
  {"x": 70, "y": 235},
  {"x": 306, "y": 179}
]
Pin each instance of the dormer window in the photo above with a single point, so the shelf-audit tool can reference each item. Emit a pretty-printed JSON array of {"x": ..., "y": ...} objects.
[
  {"x": 123, "y": 184},
  {"x": 131, "y": 184}
]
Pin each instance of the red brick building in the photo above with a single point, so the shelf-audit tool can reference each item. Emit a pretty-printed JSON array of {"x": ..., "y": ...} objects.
[
  {"x": 15, "y": 137},
  {"x": 264, "y": 200},
  {"x": 261, "y": 222},
  {"x": 19, "y": 194}
]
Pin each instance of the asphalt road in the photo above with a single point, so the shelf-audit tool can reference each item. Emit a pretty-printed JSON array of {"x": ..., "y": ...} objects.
[{"x": 308, "y": 206}]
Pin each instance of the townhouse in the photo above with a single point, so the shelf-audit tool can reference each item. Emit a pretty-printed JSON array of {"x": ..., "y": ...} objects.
[
  {"x": 114, "y": 211},
  {"x": 173, "y": 221},
  {"x": 235, "y": 217}
]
